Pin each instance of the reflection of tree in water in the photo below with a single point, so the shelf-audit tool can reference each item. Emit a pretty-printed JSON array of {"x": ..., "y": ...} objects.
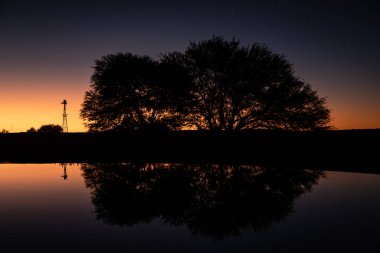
[{"x": 213, "y": 200}]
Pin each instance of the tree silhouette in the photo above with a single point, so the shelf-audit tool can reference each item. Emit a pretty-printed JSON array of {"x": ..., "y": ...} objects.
[
  {"x": 215, "y": 85},
  {"x": 4, "y": 131},
  {"x": 50, "y": 129},
  {"x": 236, "y": 87},
  {"x": 126, "y": 94},
  {"x": 31, "y": 130}
]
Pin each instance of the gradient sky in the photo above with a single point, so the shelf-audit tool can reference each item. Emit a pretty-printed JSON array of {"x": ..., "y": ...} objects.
[{"x": 47, "y": 48}]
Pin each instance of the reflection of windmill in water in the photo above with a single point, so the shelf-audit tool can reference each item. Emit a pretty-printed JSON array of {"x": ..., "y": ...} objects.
[{"x": 64, "y": 171}]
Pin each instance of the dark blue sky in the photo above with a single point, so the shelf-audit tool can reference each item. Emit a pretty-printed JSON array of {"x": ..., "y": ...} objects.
[{"x": 48, "y": 47}]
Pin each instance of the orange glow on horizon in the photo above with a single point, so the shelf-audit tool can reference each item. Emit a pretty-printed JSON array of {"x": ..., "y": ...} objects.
[
  {"x": 31, "y": 107},
  {"x": 21, "y": 109},
  {"x": 353, "y": 115}
]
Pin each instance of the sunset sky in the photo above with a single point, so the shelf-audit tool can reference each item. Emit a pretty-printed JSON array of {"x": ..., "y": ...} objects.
[{"x": 47, "y": 48}]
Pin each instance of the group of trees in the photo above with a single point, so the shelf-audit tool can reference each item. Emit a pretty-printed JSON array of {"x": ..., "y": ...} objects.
[
  {"x": 46, "y": 129},
  {"x": 214, "y": 84}
]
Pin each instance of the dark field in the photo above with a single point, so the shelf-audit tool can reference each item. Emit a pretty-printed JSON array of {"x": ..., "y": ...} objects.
[{"x": 314, "y": 150}]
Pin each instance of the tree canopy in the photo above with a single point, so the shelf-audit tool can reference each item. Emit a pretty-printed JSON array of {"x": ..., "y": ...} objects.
[
  {"x": 214, "y": 84},
  {"x": 48, "y": 129},
  {"x": 126, "y": 93}
]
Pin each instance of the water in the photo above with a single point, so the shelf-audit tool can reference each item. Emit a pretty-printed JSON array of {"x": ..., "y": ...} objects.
[{"x": 183, "y": 207}]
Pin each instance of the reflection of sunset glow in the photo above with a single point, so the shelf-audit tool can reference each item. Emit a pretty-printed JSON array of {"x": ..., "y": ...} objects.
[{"x": 27, "y": 176}]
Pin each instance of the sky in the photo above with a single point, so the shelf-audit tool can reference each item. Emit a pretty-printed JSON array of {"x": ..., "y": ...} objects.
[{"x": 48, "y": 48}]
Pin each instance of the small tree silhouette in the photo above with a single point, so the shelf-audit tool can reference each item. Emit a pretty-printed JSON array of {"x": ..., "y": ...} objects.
[
  {"x": 50, "y": 129},
  {"x": 31, "y": 130}
]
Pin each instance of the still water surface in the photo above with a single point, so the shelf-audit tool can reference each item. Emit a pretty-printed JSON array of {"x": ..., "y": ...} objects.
[{"x": 181, "y": 207}]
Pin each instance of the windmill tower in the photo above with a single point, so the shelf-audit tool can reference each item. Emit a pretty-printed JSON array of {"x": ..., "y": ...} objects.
[{"x": 64, "y": 122}]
